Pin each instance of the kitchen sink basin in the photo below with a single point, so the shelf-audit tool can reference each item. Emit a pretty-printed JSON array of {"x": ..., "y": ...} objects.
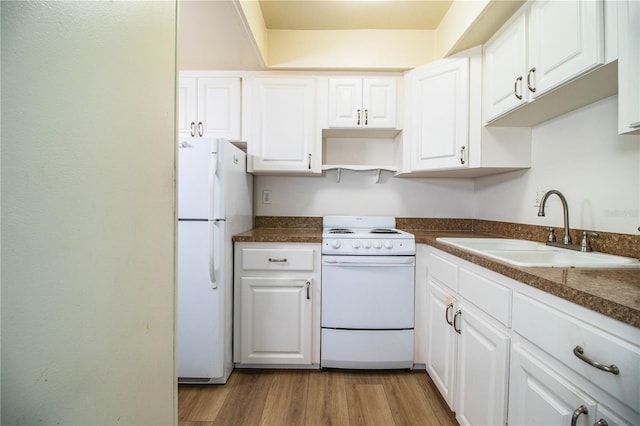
[{"x": 532, "y": 253}]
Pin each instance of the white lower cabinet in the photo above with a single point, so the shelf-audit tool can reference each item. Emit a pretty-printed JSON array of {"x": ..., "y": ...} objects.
[
  {"x": 482, "y": 362},
  {"x": 539, "y": 396},
  {"x": 467, "y": 349},
  {"x": 502, "y": 352},
  {"x": 277, "y": 304}
]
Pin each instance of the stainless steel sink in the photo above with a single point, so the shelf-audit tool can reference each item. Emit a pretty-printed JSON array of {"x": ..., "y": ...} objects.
[{"x": 532, "y": 253}]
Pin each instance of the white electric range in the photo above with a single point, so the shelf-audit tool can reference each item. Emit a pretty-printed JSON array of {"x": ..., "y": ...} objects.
[{"x": 368, "y": 270}]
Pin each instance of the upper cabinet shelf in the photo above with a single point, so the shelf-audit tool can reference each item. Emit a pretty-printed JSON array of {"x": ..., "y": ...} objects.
[{"x": 553, "y": 53}]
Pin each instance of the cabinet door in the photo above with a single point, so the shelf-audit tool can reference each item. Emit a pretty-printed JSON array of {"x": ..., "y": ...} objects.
[
  {"x": 187, "y": 106},
  {"x": 539, "y": 395},
  {"x": 379, "y": 102},
  {"x": 345, "y": 102},
  {"x": 441, "y": 340},
  {"x": 275, "y": 320},
  {"x": 219, "y": 107},
  {"x": 441, "y": 115},
  {"x": 504, "y": 70},
  {"x": 483, "y": 354},
  {"x": 565, "y": 40},
  {"x": 284, "y": 134},
  {"x": 629, "y": 67}
]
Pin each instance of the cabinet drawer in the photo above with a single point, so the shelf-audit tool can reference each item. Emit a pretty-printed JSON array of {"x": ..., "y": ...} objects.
[
  {"x": 488, "y": 295},
  {"x": 558, "y": 333},
  {"x": 443, "y": 270},
  {"x": 278, "y": 259}
]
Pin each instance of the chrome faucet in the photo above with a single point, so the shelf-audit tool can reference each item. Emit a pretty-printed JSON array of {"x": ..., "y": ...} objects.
[{"x": 566, "y": 239}]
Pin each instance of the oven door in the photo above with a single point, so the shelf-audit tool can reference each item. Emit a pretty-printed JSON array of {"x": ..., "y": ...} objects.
[{"x": 368, "y": 292}]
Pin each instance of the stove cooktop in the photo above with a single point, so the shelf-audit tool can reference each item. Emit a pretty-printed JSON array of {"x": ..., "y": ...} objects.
[{"x": 365, "y": 235}]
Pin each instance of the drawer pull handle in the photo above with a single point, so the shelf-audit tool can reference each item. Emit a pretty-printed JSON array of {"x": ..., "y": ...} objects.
[
  {"x": 576, "y": 413},
  {"x": 447, "y": 313},
  {"x": 457, "y": 329},
  {"x": 308, "y": 284},
  {"x": 601, "y": 422},
  {"x": 277, "y": 260},
  {"x": 579, "y": 352}
]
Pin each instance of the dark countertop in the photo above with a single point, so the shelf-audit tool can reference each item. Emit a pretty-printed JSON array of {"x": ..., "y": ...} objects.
[{"x": 612, "y": 292}]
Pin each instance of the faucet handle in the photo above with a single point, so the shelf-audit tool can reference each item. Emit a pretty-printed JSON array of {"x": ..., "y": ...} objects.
[
  {"x": 584, "y": 244},
  {"x": 551, "y": 238}
]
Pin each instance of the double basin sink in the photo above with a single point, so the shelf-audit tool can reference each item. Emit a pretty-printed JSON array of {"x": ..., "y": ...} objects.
[{"x": 532, "y": 253}]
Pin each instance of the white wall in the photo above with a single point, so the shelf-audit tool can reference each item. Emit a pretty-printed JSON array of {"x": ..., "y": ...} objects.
[
  {"x": 581, "y": 155},
  {"x": 88, "y": 159},
  {"x": 358, "y": 194}
]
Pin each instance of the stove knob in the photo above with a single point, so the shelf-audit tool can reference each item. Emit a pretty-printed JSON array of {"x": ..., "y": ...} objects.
[
  {"x": 355, "y": 244},
  {"x": 335, "y": 244},
  {"x": 388, "y": 244},
  {"x": 377, "y": 245},
  {"x": 365, "y": 244}
]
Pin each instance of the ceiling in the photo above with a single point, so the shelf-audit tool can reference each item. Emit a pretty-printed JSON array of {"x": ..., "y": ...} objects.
[
  {"x": 353, "y": 14},
  {"x": 216, "y": 34}
]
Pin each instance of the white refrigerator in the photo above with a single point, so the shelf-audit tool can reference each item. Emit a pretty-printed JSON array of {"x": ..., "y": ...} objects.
[{"x": 214, "y": 203}]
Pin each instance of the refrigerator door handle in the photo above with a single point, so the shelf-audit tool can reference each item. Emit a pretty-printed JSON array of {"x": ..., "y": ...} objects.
[
  {"x": 213, "y": 200},
  {"x": 212, "y": 263}
]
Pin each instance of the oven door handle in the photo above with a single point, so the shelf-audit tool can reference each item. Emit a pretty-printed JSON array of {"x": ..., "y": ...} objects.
[{"x": 368, "y": 261}]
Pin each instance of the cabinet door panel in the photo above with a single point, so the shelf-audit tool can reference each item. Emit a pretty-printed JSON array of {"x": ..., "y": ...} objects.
[
  {"x": 504, "y": 70},
  {"x": 276, "y": 321},
  {"x": 565, "y": 40},
  {"x": 219, "y": 106},
  {"x": 187, "y": 104},
  {"x": 442, "y": 116},
  {"x": 345, "y": 102},
  {"x": 284, "y": 134},
  {"x": 539, "y": 396},
  {"x": 483, "y": 353},
  {"x": 441, "y": 341},
  {"x": 379, "y": 102}
]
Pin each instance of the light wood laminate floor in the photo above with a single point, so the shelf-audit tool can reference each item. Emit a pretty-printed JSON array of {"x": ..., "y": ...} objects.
[{"x": 313, "y": 397}]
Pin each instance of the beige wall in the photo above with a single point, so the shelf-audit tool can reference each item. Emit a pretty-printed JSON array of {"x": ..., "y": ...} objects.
[{"x": 88, "y": 154}]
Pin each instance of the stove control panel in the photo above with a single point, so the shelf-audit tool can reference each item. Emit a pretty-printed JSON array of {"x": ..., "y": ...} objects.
[{"x": 369, "y": 247}]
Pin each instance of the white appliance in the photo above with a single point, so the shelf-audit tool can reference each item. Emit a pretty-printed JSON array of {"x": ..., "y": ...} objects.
[
  {"x": 214, "y": 203},
  {"x": 368, "y": 270}
]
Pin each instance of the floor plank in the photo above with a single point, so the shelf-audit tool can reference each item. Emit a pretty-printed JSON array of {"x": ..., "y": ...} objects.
[
  {"x": 287, "y": 399},
  {"x": 245, "y": 402},
  {"x": 326, "y": 400},
  {"x": 368, "y": 405},
  {"x": 272, "y": 397}
]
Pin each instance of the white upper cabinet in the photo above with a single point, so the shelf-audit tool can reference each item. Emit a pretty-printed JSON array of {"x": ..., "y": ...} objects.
[
  {"x": 440, "y": 120},
  {"x": 281, "y": 121},
  {"x": 208, "y": 106},
  {"x": 362, "y": 103},
  {"x": 505, "y": 64},
  {"x": 566, "y": 39},
  {"x": 546, "y": 51},
  {"x": 443, "y": 132},
  {"x": 629, "y": 67}
]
